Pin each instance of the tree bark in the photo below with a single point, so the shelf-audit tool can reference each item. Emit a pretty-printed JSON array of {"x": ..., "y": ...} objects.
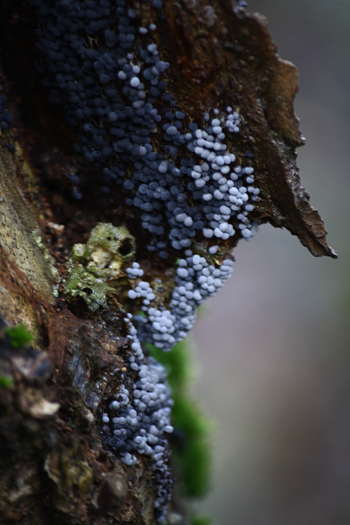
[{"x": 55, "y": 466}]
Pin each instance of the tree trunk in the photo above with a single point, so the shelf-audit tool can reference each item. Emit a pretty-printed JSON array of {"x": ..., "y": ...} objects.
[{"x": 56, "y": 464}]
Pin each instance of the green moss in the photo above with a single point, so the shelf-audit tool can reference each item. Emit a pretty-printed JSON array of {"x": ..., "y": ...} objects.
[
  {"x": 191, "y": 450},
  {"x": 6, "y": 381},
  {"x": 19, "y": 336}
]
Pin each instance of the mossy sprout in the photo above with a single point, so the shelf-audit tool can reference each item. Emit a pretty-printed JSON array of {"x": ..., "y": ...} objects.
[
  {"x": 6, "y": 381},
  {"x": 19, "y": 336}
]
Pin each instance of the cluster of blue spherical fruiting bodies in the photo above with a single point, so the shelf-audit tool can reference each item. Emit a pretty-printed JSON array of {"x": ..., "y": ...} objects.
[
  {"x": 112, "y": 86},
  {"x": 104, "y": 66},
  {"x": 138, "y": 419},
  {"x": 6, "y": 119},
  {"x": 196, "y": 280}
]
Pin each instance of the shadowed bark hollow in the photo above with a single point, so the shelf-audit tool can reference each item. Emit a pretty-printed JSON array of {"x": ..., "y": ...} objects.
[{"x": 55, "y": 465}]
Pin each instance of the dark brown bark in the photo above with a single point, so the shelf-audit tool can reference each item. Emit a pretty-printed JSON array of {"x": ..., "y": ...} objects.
[{"x": 54, "y": 465}]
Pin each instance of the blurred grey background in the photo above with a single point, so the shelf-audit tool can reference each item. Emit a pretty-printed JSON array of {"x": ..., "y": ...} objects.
[{"x": 273, "y": 345}]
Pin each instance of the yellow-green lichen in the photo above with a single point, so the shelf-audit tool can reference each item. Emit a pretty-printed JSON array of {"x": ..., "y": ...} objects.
[{"x": 97, "y": 265}]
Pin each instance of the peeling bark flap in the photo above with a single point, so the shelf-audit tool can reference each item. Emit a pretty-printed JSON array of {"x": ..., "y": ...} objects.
[{"x": 225, "y": 56}]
